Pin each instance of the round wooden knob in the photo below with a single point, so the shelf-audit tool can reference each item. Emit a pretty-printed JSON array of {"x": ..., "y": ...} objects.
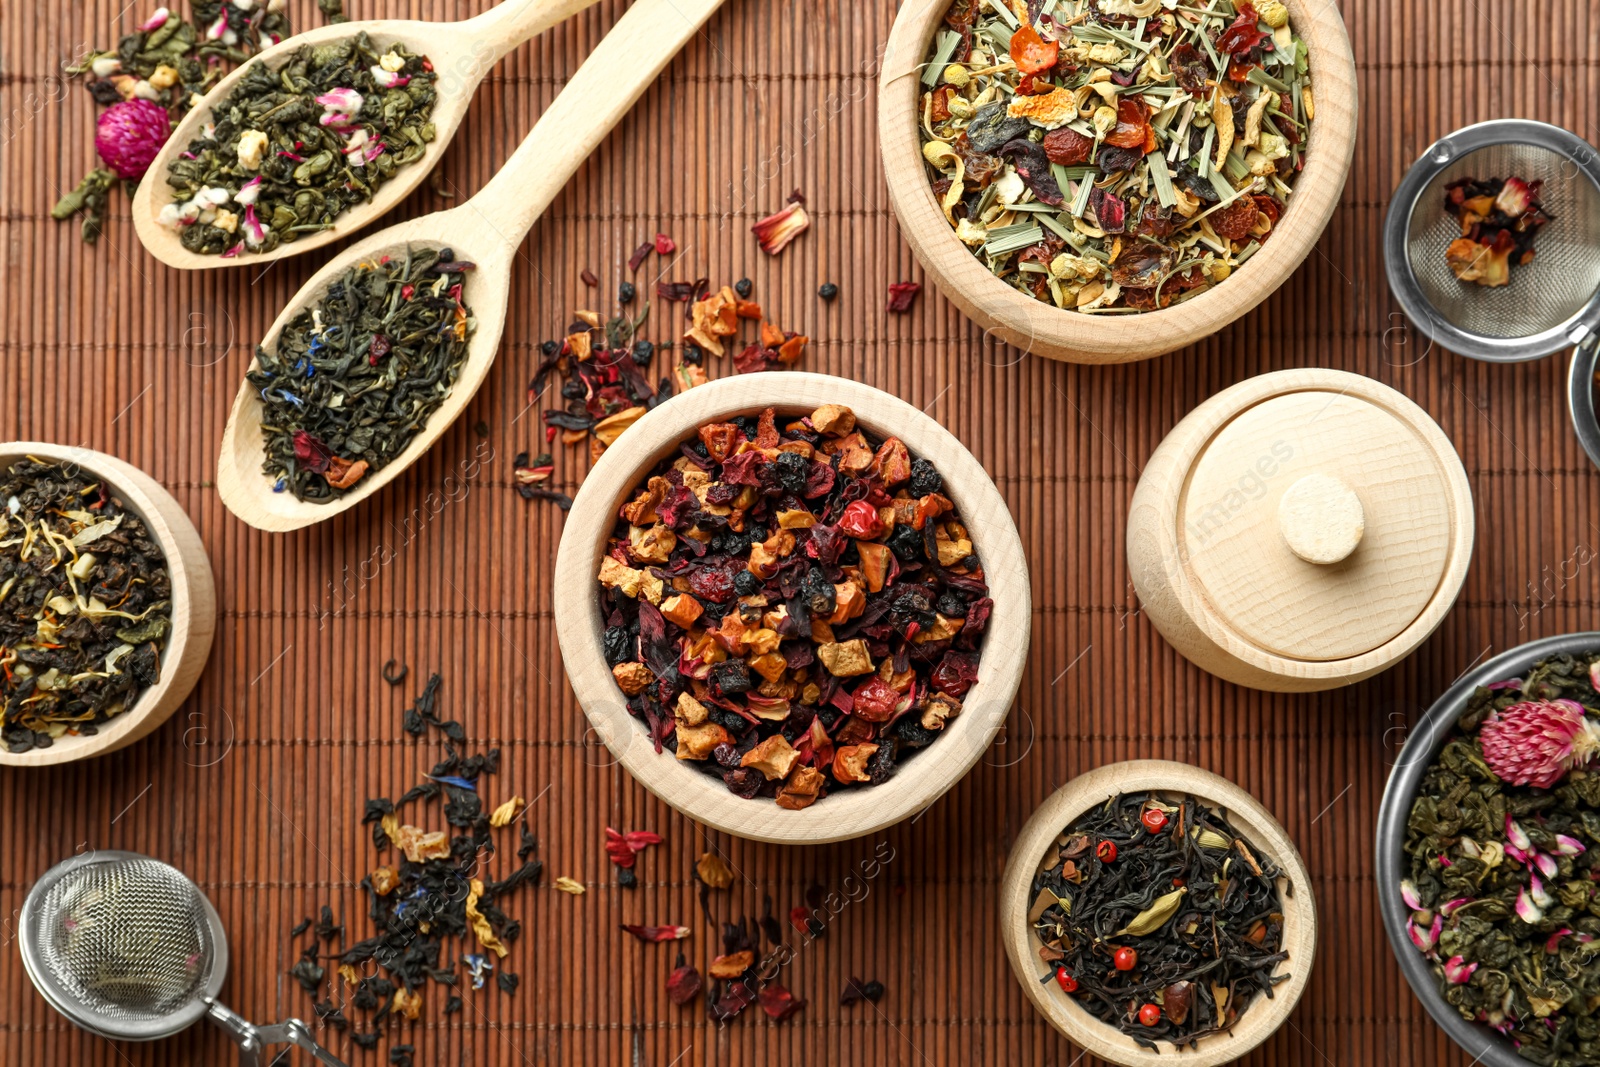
[{"x": 1321, "y": 518}]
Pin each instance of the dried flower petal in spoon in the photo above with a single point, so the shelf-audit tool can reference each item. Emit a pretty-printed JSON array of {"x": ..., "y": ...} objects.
[
  {"x": 293, "y": 148},
  {"x": 355, "y": 378}
]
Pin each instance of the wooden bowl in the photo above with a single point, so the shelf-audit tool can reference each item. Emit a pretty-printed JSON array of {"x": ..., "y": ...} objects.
[
  {"x": 1171, "y": 781},
  {"x": 850, "y": 813},
  {"x": 194, "y": 603},
  {"x": 1301, "y": 530},
  {"x": 1046, "y": 330}
]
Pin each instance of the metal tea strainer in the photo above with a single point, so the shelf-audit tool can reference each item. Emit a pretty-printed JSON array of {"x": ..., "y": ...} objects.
[
  {"x": 1552, "y": 302},
  {"x": 127, "y": 947}
]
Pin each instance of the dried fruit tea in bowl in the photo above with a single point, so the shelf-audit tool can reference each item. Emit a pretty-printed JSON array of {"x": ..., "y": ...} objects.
[
  {"x": 793, "y": 605},
  {"x": 85, "y": 604},
  {"x": 293, "y": 148},
  {"x": 1504, "y": 892},
  {"x": 356, "y": 377},
  {"x": 1159, "y": 919},
  {"x": 1115, "y": 155},
  {"x": 1499, "y": 219}
]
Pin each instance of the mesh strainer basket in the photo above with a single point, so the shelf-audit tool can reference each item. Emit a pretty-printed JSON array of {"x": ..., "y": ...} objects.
[
  {"x": 1553, "y": 302},
  {"x": 127, "y": 947}
]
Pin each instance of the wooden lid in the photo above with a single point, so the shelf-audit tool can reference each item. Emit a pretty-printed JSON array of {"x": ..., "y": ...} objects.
[{"x": 1301, "y": 530}]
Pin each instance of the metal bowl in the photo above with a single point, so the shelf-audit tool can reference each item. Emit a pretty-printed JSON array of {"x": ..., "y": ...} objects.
[{"x": 1428, "y": 737}]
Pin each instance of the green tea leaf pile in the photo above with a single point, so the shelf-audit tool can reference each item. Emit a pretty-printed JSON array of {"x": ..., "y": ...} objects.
[
  {"x": 354, "y": 378},
  {"x": 293, "y": 148},
  {"x": 1504, "y": 892},
  {"x": 85, "y": 605}
]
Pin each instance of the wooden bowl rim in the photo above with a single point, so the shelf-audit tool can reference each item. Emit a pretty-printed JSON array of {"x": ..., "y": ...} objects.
[
  {"x": 1060, "y": 334},
  {"x": 1258, "y": 827},
  {"x": 1194, "y": 433},
  {"x": 841, "y": 816},
  {"x": 194, "y": 618}
]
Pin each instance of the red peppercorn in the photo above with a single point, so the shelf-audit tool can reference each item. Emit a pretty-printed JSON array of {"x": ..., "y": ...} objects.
[
  {"x": 1067, "y": 983},
  {"x": 860, "y": 520},
  {"x": 1154, "y": 819},
  {"x": 1149, "y": 1015},
  {"x": 1107, "y": 851},
  {"x": 1125, "y": 959}
]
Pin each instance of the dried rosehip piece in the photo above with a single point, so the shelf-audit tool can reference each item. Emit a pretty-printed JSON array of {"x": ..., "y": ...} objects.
[{"x": 792, "y": 605}]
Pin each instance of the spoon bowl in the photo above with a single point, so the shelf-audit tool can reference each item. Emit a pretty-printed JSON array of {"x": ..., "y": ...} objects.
[
  {"x": 486, "y": 230},
  {"x": 462, "y": 54}
]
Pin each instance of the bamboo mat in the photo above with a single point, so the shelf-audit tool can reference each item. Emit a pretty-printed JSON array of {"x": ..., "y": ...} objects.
[{"x": 255, "y": 787}]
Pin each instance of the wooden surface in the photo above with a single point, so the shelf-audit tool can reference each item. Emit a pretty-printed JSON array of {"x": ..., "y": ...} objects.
[
  {"x": 256, "y": 786},
  {"x": 1209, "y": 559},
  {"x": 1173, "y": 782},
  {"x": 848, "y": 814},
  {"x": 1043, "y": 329},
  {"x": 194, "y": 603}
]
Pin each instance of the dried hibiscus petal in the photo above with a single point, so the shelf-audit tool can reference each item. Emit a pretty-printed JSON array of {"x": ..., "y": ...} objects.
[
  {"x": 311, "y": 452},
  {"x": 1033, "y": 167},
  {"x": 901, "y": 296},
  {"x": 778, "y": 1002},
  {"x": 683, "y": 984}
]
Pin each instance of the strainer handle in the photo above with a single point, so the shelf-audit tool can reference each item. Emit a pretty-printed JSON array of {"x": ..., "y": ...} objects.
[
  {"x": 1580, "y": 396},
  {"x": 251, "y": 1038}
]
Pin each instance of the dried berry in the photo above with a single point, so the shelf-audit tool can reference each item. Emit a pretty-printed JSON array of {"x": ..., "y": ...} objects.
[
  {"x": 619, "y": 645},
  {"x": 925, "y": 478},
  {"x": 626, "y": 292},
  {"x": 818, "y": 592},
  {"x": 743, "y": 287},
  {"x": 790, "y": 468},
  {"x": 746, "y": 584},
  {"x": 828, "y": 291}
]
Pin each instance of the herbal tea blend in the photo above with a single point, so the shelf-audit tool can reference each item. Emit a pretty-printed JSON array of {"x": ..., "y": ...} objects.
[
  {"x": 293, "y": 148},
  {"x": 1503, "y": 888},
  {"x": 1159, "y": 919},
  {"x": 85, "y": 605},
  {"x": 1499, "y": 219},
  {"x": 795, "y": 610},
  {"x": 355, "y": 378},
  {"x": 152, "y": 78},
  {"x": 1115, "y": 155},
  {"x": 606, "y": 367}
]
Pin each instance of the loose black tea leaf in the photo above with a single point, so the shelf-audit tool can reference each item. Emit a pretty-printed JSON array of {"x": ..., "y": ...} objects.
[
  {"x": 392, "y": 676},
  {"x": 85, "y": 605},
  {"x": 1158, "y": 919},
  {"x": 1502, "y": 840},
  {"x": 433, "y": 893},
  {"x": 293, "y": 148},
  {"x": 355, "y": 378}
]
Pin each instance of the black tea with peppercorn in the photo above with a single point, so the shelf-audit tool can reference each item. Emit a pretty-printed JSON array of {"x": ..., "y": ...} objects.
[{"x": 1158, "y": 918}]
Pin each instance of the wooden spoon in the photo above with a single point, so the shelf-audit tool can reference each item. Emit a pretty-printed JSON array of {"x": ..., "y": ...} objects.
[
  {"x": 487, "y": 230},
  {"x": 461, "y": 53}
]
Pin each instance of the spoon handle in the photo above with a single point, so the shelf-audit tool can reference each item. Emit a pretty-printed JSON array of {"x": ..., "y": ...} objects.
[
  {"x": 605, "y": 87},
  {"x": 508, "y": 24}
]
